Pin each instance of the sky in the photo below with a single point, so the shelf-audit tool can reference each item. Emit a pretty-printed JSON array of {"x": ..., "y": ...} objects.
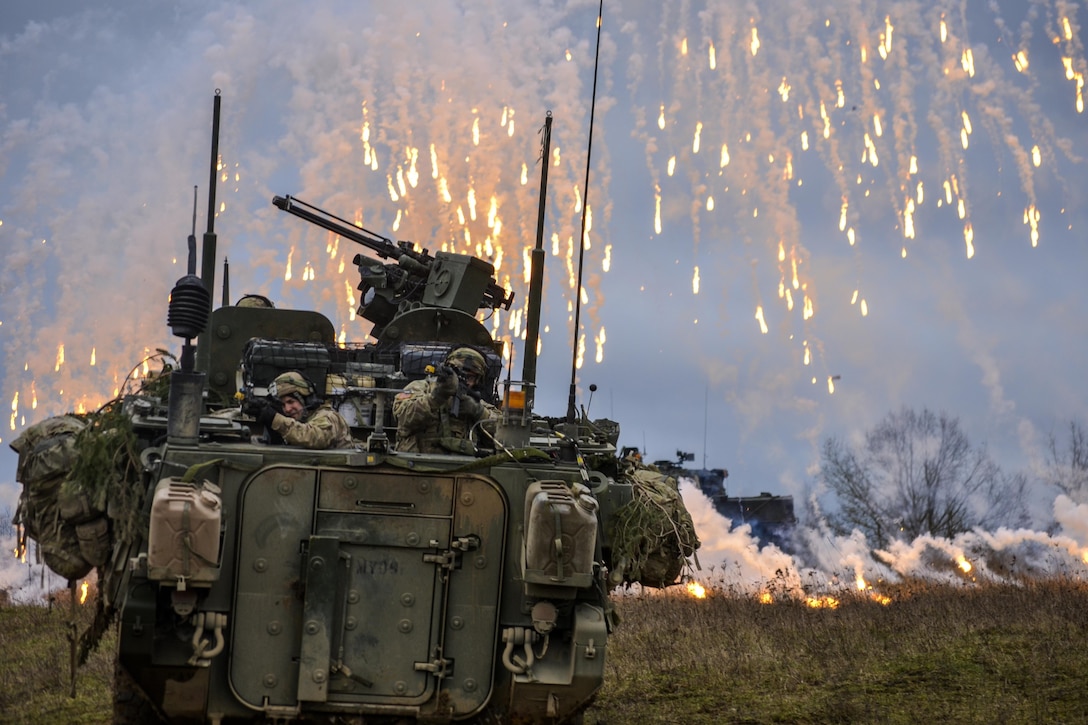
[{"x": 802, "y": 216}]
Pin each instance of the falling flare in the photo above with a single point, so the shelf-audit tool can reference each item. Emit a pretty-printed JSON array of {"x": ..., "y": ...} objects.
[
  {"x": 1031, "y": 218},
  {"x": 759, "y": 318},
  {"x": 657, "y": 210},
  {"x": 1021, "y": 61}
]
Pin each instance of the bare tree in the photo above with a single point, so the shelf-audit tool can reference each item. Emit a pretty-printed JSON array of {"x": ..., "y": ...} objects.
[
  {"x": 1067, "y": 467},
  {"x": 918, "y": 473}
]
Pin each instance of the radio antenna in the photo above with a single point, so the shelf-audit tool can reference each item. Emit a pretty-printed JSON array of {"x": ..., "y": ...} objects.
[{"x": 582, "y": 237}]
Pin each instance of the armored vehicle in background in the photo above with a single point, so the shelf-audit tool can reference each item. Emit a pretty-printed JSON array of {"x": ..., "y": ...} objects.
[
  {"x": 258, "y": 582},
  {"x": 770, "y": 516}
]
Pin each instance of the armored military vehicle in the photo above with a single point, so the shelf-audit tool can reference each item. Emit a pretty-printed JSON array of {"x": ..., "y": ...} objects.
[
  {"x": 770, "y": 516},
  {"x": 259, "y": 582}
]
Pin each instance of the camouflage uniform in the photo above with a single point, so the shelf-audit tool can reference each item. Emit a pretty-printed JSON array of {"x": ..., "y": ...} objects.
[
  {"x": 422, "y": 422},
  {"x": 319, "y": 428},
  {"x": 430, "y": 420}
]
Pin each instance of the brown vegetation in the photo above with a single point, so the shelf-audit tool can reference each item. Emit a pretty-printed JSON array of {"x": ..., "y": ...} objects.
[
  {"x": 972, "y": 654},
  {"x": 952, "y": 654},
  {"x": 35, "y": 664}
]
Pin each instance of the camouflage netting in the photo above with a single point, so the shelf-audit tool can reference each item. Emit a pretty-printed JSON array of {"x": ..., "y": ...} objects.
[
  {"x": 73, "y": 469},
  {"x": 107, "y": 470},
  {"x": 653, "y": 535},
  {"x": 83, "y": 491}
]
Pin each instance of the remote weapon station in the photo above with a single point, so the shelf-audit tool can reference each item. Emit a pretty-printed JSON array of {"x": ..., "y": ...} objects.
[{"x": 251, "y": 581}]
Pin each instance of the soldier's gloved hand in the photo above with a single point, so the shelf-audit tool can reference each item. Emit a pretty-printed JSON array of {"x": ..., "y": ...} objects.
[
  {"x": 252, "y": 407},
  {"x": 470, "y": 407},
  {"x": 266, "y": 415},
  {"x": 445, "y": 384}
]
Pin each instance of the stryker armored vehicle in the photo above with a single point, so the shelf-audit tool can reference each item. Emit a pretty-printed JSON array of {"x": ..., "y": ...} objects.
[
  {"x": 770, "y": 516},
  {"x": 271, "y": 583}
]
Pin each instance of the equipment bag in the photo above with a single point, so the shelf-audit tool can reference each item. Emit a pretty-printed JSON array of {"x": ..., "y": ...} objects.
[{"x": 47, "y": 452}]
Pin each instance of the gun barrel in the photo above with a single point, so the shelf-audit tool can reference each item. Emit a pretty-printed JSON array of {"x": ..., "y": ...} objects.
[
  {"x": 495, "y": 296},
  {"x": 382, "y": 246}
]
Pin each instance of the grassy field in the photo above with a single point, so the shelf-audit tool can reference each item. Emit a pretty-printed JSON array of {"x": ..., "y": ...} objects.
[{"x": 980, "y": 654}]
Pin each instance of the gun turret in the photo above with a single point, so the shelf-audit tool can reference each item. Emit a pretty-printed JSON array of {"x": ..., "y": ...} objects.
[{"x": 414, "y": 281}]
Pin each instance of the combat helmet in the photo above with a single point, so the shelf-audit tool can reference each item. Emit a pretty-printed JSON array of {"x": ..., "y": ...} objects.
[
  {"x": 292, "y": 383},
  {"x": 259, "y": 301},
  {"x": 469, "y": 360}
]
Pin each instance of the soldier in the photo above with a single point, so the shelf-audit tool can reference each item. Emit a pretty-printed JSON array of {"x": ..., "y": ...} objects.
[
  {"x": 438, "y": 414},
  {"x": 259, "y": 301},
  {"x": 304, "y": 420}
]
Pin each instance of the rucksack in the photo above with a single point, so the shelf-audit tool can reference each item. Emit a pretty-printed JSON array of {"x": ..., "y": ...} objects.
[{"x": 71, "y": 533}]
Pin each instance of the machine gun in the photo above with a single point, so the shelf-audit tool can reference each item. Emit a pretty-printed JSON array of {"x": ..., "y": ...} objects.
[{"x": 414, "y": 281}]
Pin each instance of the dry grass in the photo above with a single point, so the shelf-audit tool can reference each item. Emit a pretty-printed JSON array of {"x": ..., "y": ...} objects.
[
  {"x": 980, "y": 654},
  {"x": 35, "y": 666}
]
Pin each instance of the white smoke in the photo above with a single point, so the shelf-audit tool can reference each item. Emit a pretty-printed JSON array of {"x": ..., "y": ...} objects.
[{"x": 731, "y": 559}]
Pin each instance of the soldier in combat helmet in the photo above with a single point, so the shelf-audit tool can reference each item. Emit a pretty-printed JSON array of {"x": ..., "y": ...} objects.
[
  {"x": 303, "y": 419},
  {"x": 438, "y": 414}
]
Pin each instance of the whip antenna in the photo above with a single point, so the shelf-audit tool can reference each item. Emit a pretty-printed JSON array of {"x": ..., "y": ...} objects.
[{"x": 582, "y": 236}]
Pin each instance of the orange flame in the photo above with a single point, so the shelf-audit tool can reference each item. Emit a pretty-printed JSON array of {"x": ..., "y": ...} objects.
[
  {"x": 83, "y": 589},
  {"x": 696, "y": 590}
]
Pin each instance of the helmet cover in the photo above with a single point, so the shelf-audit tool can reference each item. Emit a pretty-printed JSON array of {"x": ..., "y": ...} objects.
[
  {"x": 291, "y": 383},
  {"x": 468, "y": 360}
]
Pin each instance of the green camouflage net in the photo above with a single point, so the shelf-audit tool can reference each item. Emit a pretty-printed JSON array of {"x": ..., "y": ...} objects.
[
  {"x": 108, "y": 475},
  {"x": 107, "y": 470},
  {"x": 653, "y": 535}
]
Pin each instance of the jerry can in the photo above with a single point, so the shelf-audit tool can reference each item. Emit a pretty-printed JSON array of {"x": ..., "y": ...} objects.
[
  {"x": 560, "y": 534},
  {"x": 183, "y": 541}
]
